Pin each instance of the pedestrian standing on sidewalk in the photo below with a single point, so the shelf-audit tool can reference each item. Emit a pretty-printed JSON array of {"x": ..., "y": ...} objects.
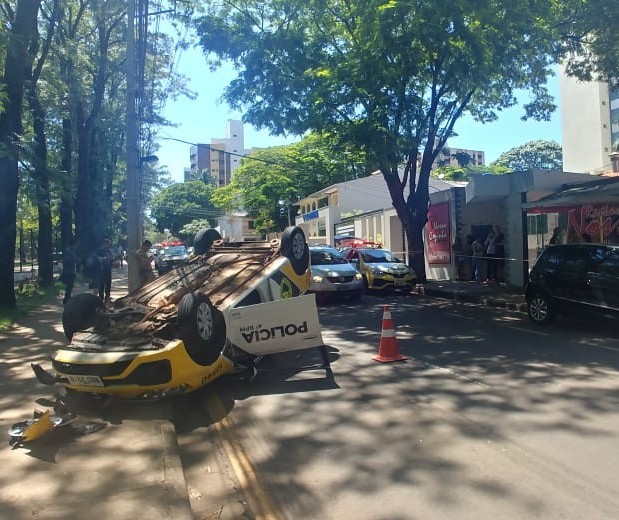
[
  {"x": 458, "y": 251},
  {"x": 557, "y": 236},
  {"x": 69, "y": 268},
  {"x": 499, "y": 242},
  {"x": 490, "y": 245},
  {"x": 144, "y": 260},
  {"x": 104, "y": 254},
  {"x": 468, "y": 255},
  {"x": 478, "y": 259}
]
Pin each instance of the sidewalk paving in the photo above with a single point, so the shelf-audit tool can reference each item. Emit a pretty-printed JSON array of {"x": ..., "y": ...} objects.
[
  {"x": 500, "y": 295},
  {"x": 129, "y": 469}
]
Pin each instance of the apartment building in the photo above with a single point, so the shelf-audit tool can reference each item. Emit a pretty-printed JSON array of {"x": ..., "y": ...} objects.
[
  {"x": 218, "y": 159},
  {"x": 449, "y": 156},
  {"x": 589, "y": 124}
]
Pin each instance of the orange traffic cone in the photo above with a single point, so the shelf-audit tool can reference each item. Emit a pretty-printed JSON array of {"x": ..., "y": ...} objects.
[{"x": 388, "y": 349}]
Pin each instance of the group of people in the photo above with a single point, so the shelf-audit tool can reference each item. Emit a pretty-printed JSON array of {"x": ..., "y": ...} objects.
[
  {"x": 477, "y": 253},
  {"x": 98, "y": 267}
]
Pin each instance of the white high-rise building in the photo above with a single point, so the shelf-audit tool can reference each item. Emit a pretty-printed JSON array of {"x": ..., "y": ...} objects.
[
  {"x": 221, "y": 157},
  {"x": 589, "y": 124}
]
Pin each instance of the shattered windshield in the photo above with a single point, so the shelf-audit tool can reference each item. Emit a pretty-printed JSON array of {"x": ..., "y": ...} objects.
[
  {"x": 377, "y": 256},
  {"x": 327, "y": 258}
]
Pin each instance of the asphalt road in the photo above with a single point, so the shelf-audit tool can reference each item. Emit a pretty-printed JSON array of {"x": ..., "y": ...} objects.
[{"x": 490, "y": 416}]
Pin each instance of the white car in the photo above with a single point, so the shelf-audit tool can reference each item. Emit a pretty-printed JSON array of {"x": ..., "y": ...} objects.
[{"x": 333, "y": 274}]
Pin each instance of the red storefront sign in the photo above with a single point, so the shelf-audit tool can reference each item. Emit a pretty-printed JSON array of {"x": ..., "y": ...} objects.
[
  {"x": 438, "y": 234},
  {"x": 601, "y": 222}
]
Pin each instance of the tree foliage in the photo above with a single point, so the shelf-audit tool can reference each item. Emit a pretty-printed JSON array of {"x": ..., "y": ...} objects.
[
  {"x": 62, "y": 144},
  {"x": 542, "y": 155},
  {"x": 177, "y": 205},
  {"x": 590, "y": 35},
  {"x": 189, "y": 230},
  {"x": 392, "y": 77},
  {"x": 269, "y": 182},
  {"x": 463, "y": 173}
]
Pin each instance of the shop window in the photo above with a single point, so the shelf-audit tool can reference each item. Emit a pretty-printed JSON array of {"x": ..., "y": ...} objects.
[
  {"x": 322, "y": 229},
  {"x": 537, "y": 224}
]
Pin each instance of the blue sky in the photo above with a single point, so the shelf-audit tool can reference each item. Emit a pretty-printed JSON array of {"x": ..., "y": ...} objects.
[{"x": 205, "y": 118}]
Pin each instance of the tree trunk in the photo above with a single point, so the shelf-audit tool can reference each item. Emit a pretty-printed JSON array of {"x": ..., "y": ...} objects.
[
  {"x": 10, "y": 133},
  {"x": 85, "y": 208},
  {"x": 66, "y": 202},
  {"x": 41, "y": 182}
]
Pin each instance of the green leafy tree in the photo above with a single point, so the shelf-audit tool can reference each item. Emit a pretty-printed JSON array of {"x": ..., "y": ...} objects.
[
  {"x": 17, "y": 59},
  {"x": 392, "y": 77},
  {"x": 590, "y": 35},
  {"x": 188, "y": 232},
  {"x": 463, "y": 173},
  {"x": 463, "y": 158},
  {"x": 269, "y": 182},
  {"x": 179, "y": 204},
  {"x": 542, "y": 155}
]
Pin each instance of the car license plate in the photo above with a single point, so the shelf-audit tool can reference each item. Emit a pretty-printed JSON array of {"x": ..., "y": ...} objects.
[
  {"x": 399, "y": 282},
  {"x": 85, "y": 380}
]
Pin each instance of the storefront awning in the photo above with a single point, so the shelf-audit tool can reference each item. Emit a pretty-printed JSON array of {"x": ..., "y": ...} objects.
[{"x": 597, "y": 192}]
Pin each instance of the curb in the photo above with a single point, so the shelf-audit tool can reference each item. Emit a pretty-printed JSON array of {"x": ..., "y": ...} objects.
[
  {"x": 464, "y": 297},
  {"x": 173, "y": 475}
]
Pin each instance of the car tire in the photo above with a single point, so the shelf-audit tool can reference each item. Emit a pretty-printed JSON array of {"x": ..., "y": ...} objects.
[
  {"x": 201, "y": 327},
  {"x": 204, "y": 239},
  {"x": 294, "y": 247},
  {"x": 540, "y": 309},
  {"x": 80, "y": 313}
]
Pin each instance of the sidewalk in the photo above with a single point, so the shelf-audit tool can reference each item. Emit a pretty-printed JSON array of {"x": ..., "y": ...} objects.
[
  {"x": 128, "y": 469},
  {"x": 501, "y": 295}
]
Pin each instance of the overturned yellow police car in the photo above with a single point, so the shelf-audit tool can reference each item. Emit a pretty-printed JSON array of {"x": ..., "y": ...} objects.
[{"x": 215, "y": 315}]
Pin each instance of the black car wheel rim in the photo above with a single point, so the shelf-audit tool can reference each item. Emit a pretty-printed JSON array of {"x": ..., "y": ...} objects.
[
  {"x": 298, "y": 246},
  {"x": 539, "y": 308},
  {"x": 205, "y": 320}
]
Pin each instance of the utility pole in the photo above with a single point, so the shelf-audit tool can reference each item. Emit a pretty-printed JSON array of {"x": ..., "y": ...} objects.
[{"x": 134, "y": 228}]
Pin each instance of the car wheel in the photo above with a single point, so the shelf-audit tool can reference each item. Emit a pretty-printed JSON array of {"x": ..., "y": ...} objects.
[
  {"x": 294, "y": 247},
  {"x": 80, "y": 313},
  {"x": 201, "y": 327},
  {"x": 204, "y": 239},
  {"x": 539, "y": 309}
]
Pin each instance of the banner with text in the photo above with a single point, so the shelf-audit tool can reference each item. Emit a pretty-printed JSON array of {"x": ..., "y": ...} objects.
[{"x": 438, "y": 233}]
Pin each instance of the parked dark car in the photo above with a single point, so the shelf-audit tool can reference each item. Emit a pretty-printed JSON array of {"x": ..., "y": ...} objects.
[
  {"x": 170, "y": 257},
  {"x": 574, "y": 278}
]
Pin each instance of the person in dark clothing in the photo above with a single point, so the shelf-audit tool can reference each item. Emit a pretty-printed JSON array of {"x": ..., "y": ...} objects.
[
  {"x": 500, "y": 254},
  {"x": 104, "y": 254},
  {"x": 468, "y": 255},
  {"x": 556, "y": 237},
  {"x": 69, "y": 268}
]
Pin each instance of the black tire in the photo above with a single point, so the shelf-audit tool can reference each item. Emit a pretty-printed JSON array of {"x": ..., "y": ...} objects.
[
  {"x": 80, "y": 313},
  {"x": 201, "y": 327},
  {"x": 540, "y": 309},
  {"x": 294, "y": 247},
  {"x": 204, "y": 239}
]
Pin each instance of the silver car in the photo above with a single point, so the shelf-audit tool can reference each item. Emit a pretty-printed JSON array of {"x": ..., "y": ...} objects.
[{"x": 332, "y": 273}]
